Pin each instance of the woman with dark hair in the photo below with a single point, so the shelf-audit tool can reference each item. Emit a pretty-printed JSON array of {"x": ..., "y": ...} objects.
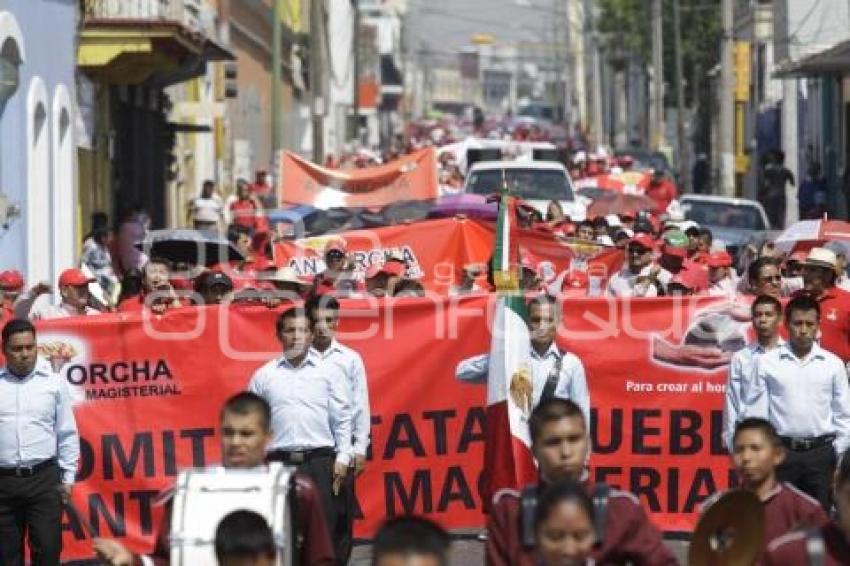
[{"x": 564, "y": 528}]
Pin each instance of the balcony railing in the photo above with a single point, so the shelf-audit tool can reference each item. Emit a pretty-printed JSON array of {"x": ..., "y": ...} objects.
[{"x": 188, "y": 13}]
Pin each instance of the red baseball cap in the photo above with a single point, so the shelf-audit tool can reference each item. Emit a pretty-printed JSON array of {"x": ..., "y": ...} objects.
[
  {"x": 675, "y": 250},
  {"x": 74, "y": 278},
  {"x": 643, "y": 240},
  {"x": 336, "y": 244},
  {"x": 719, "y": 259},
  {"x": 392, "y": 268},
  {"x": 11, "y": 280}
]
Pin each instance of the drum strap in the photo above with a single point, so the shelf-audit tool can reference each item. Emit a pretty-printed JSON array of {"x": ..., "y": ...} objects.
[
  {"x": 552, "y": 380},
  {"x": 815, "y": 547},
  {"x": 297, "y": 529}
]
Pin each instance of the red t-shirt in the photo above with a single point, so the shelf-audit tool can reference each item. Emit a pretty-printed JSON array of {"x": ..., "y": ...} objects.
[{"x": 243, "y": 213}]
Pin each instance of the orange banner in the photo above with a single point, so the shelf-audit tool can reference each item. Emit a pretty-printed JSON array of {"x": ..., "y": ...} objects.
[
  {"x": 148, "y": 391},
  {"x": 411, "y": 177},
  {"x": 437, "y": 250}
]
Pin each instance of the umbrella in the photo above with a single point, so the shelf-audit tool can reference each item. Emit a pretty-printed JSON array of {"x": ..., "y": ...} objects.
[
  {"x": 628, "y": 182},
  {"x": 473, "y": 206},
  {"x": 406, "y": 210},
  {"x": 189, "y": 246},
  {"x": 812, "y": 232},
  {"x": 619, "y": 203}
]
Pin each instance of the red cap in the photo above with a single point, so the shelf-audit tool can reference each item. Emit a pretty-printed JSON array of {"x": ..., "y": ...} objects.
[
  {"x": 644, "y": 240},
  {"x": 11, "y": 280},
  {"x": 719, "y": 259},
  {"x": 392, "y": 268},
  {"x": 74, "y": 278},
  {"x": 675, "y": 250},
  {"x": 337, "y": 244}
]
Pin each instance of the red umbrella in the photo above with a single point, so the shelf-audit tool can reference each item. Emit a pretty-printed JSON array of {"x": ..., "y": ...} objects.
[
  {"x": 807, "y": 233},
  {"x": 619, "y": 203}
]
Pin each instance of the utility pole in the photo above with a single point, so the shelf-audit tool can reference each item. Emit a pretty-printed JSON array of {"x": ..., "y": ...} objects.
[
  {"x": 592, "y": 43},
  {"x": 355, "y": 98},
  {"x": 682, "y": 151},
  {"x": 725, "y": 138},
  {"x": 277, "y": 41},
  {"x": 317, "y": 85},
  {"x": 657, "y": 118}
]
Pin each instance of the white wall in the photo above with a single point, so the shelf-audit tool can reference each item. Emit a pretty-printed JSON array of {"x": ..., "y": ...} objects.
[
  {"x": 39, "y": 257},
  {"x": 64, "y": 196}
]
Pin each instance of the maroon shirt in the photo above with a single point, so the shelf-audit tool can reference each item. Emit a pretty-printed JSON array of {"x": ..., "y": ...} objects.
[
  {"x": 630, "y": 537},
  {"x": 786, "y": 509},
  {"x": 790, "y": 549},
  {"x": 317, "y": 547}
]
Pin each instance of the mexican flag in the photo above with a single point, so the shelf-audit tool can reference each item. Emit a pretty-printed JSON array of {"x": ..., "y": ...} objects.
[{"x": 508, "y": 462}]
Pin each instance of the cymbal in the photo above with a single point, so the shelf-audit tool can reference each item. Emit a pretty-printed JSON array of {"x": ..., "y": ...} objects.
[{"x": 730, "y": 532}]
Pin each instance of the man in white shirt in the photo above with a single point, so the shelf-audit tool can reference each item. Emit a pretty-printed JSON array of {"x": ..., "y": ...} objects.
[
  {"x": 766, "y": 313},
  {"x": 74, "y": 292},
  {"x": 311, "y": 409},
  {"x": 39, "y": 450},
  {"x": 345, "y": 365},
  {"x": 554, "y": 373},
  {"x": 206, "y": 211},
  {"x": 802, "y": 390},
  {"x": 634, "y": 279},
  {"x": 721, "y": 277}
]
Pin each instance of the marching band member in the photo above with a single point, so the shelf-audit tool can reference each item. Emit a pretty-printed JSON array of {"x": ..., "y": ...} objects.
[
  {"x": 245, "y": 430},
  {"x": 560, "y": 444},
  {"x": 756, "y": 452},
  {"x": 564, "y": 529},
  {"x": 830, "y": 544}
]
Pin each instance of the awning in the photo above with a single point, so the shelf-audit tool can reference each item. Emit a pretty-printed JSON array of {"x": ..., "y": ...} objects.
[{"x": 831, "y": 61}]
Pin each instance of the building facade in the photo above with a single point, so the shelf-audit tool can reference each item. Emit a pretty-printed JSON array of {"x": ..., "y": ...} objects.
[{"x": 39, "y": 220}]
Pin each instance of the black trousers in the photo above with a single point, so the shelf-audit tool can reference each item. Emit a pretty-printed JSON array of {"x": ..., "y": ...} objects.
[
  {"x": 810, "y": 471},
  {"x": 343, "y": 532},
  {"x": 31, "y": 507},
  {"x": 320, "y": 469}
]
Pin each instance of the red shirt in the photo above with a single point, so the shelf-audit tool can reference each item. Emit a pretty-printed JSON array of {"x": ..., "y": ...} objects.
[
  {"x": 243, "y": 213},
  {"x": 629, "y": 534},
  {"x": 317, "y": 547},
  {"x": 663, "y": 193},
  {"x": 790, "y": 549},
  {"x": 835, "y": 322}
]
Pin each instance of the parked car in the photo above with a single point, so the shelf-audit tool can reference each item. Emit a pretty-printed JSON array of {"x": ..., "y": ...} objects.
[
  {"x": 732, "y": 220},
  {"x": 535, "y": 182}
]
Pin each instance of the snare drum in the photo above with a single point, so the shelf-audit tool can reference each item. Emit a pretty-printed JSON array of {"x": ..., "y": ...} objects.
[{"x": 203, "y": 497}]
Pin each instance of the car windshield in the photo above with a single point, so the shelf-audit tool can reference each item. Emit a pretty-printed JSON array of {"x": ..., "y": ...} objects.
[
  {"x": 724, "y": 214},
  {"x": 527, "y": 184}
]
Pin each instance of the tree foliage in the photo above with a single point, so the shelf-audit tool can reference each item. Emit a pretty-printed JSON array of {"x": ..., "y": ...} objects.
[{"x": 626, "y": 26}]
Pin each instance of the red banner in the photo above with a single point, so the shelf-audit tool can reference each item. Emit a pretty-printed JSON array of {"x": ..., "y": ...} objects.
[
  {"x": 411, "y": 177},
  {"x": 149, "y": 390},
  {"x": 436, "y": 250}
]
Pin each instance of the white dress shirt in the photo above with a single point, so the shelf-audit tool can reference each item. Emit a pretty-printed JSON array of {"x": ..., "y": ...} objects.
[
  {"x": 350, "y": 369},
  {"x": 802, "y": 398},
  {"x": 310, "y": 408},
  {"x": 624, "y": 284},
  {"x": 50, "y": 312},
  {"x": 37, "y": 422},
  {"x": 740, "y": 369},
  {"x": 572, "y": 383},
  {"x": 726, "y": 287}
]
